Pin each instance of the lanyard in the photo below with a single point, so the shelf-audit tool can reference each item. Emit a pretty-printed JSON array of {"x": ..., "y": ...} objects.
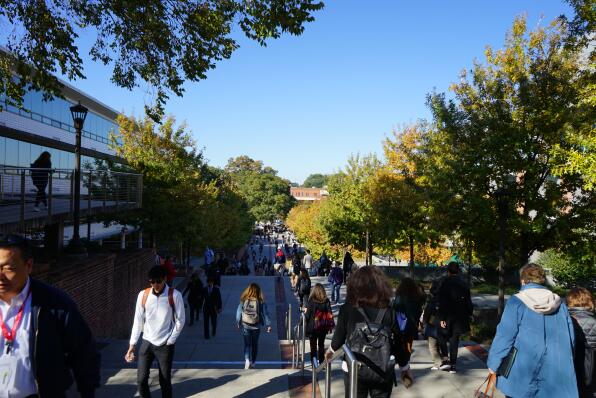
[{"x": 9, "y": 335}]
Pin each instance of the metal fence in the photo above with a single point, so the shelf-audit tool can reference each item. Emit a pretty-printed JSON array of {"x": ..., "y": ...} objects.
[{"x": 21, "y": 191}]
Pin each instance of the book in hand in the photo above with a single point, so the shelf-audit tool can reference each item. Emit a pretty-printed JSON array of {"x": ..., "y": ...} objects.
[{"x": 507, "y": 363}]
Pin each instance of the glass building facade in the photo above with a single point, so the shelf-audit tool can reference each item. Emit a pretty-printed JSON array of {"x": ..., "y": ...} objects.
[{"x": 56, "y": 113}]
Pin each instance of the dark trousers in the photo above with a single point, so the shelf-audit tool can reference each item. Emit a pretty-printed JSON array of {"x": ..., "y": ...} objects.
[
  {"x": 374, "y": 390},
  {"x": 251, "y": 343},
  {"x": 317, "y": 346},
  {"x": 193, "y": 312},
  {"x": 335, "y": 292},
  {"x": 453, "y": 341},
  {"x": 209, "y": 316},
  {"x": 164, "y": 355},
  {"x": 40, "y": 196}
]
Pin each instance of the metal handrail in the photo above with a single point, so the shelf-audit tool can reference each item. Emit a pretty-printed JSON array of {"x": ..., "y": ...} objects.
[
  {"x": 352, "y": 372},
  {"x": 299, "y": 343},
  {"x": 289, "y": 323}
]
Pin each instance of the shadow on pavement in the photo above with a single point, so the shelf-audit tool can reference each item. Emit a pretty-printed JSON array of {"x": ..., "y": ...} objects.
[{"x": 276, "y": 385}]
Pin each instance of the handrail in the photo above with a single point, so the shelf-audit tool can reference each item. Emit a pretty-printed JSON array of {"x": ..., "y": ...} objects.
[
  {"x": 352, "y": 372},
  {"x": 299, "y": 343}
]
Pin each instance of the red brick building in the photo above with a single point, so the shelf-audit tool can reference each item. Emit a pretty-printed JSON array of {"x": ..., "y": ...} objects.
[{"x": 301, "y": 193}]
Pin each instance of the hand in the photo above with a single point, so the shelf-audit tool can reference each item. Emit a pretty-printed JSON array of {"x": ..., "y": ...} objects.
[
  {"x": 443, "y": 324},
  {"x": 268, "y": 329},
  {"x": 304, "y": 309},
  {"x": 130, "y": 354},
  {"x": 491, "y": 372},
  {"x": 328, "y": 355}
]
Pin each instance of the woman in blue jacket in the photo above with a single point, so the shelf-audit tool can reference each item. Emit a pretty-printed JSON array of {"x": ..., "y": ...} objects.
[
  {"x": 537, "y": 324},
  {"x": 250, "y": 316}
]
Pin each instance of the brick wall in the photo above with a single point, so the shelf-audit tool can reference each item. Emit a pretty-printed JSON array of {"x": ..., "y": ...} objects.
[{"x": 105, "y": 287}]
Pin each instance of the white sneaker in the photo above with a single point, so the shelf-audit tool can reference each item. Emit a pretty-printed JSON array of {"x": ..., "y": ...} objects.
[
  {"x": 247, "y": 364},
  {"x": 252, "y": 365},
  {"x": 315, "y": 362}
]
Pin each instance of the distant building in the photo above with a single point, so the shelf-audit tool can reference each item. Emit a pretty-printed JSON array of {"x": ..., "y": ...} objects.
[{"x": 300, "y": 193}]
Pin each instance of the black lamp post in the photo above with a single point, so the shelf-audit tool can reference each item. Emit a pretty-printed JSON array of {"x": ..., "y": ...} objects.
[
  {"x": 79, "y": 113},
  {"x": 502, "y": 198}
]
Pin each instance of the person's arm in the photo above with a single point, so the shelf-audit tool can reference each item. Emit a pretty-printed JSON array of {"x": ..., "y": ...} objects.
[
  {"x": 570, "y": 326},
  {"x": 218, "y": 299},
  {"x": 80, "y": 352},
  {"x": 266, "y": 317},
  {"x": 340, "y": 333},
  {"x": 507, "y": 331},
  {"x": 239, "y": 314},
  {"x": 137, "y": 325},
  {"x": 179, "y": 319}
]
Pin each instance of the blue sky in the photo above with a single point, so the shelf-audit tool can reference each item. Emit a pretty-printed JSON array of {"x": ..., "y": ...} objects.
[{"x": 303, "y": 104}]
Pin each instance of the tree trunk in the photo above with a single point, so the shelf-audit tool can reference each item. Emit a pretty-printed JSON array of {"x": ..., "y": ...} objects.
[
  {"x": 366, "y": 248},
  {"x": 411, "y": 265}
]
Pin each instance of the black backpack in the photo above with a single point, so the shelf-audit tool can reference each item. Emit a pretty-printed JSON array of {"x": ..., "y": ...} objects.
[
  {"x": 371, "y": 343},
  {"x": 304, "y": 286}
]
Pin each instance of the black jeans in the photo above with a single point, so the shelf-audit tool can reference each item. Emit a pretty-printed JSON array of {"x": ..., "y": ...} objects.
[
  {"x": 164, "y": 355},
  {"x": 40, "y": 196},
  {"x": 375, "y": 390},
  {"x": 193, "y": 312},
  {"x": 207, "y": 317},
  {"x": 317, "y": 346},
  {"x": 453, "y": 341}
]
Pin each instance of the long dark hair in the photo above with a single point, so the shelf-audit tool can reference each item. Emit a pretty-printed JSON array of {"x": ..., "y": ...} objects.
[
  {"x": 368, "y": 286},
  {"x": 408, "y": 288}
]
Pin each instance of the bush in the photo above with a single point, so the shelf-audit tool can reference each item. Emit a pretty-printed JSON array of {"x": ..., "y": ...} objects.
[{"x": 566, "y": 270}]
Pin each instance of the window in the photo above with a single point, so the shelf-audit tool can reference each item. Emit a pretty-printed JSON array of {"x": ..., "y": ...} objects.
[
  {"x": 12, "y": 152},
  {"x": 2, "y": 148},
  {"x": 24, "y": 154}
]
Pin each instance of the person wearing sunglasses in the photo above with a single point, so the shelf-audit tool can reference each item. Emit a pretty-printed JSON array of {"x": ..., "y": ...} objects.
[
  {"x": 160, "y": 315},
  {"x": 43, "y": 337}
]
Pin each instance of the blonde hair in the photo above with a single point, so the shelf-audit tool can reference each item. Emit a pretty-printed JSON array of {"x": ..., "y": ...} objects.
[
  {"x": 580, "y": 297},
  {"x": 532, "y": 273},
  {"x": 318, "y": 294},
  {"x": 253, "y": 291}
]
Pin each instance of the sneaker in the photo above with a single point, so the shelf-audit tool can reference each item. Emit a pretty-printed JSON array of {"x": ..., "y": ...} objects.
[
  {"x": 407, "y": 379},
  {"x": 246, "y": 364},
  {"x": 435, "y": 367},
  {"x": 36, "y": 208},
  {"x": 452, "y": 369},
  {"x": 252, "y": 365},
  {"x": 445, "y": 366},
  {"x": 315, "y": 363}
]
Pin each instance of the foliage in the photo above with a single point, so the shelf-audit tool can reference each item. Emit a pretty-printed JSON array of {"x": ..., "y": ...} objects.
[
  {"x": 184, "y": 201},
  {"x": 302, "y": 220},
  {"x": 159, "y": 42},
  {"x": 567, "y": 270},
  {"x": 500, "y": 131},
  {"x": 315, "y": 181},
  {"x": 267, "y": 195},
  {"x": 426, "y": 253}
]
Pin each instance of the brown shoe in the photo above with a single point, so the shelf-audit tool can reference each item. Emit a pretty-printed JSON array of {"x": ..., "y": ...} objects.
[{"x": 407, "y": 379}]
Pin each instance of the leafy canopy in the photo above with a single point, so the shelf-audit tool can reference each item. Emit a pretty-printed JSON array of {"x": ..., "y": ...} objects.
[{"x": 159, "y": 42}]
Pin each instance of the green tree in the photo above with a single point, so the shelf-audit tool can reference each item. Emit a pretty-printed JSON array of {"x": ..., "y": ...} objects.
[
  {"x": 500, "y": 131},
  {"x": 159, "y": 42},
  {"x": 567, "y": 270},
  {"x": 315, "y": 181}
]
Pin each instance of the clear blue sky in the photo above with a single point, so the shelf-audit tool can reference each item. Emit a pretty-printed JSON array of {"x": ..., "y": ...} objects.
[{"x": 303, "y": 104}]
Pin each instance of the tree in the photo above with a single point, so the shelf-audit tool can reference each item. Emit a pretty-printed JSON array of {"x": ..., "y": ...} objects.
[
  {"x": 266, "y": 194},
  {"x": 500, "y": 131},
  {"x": 159, "y": 42},
  {"x": 315, "y": 181}
]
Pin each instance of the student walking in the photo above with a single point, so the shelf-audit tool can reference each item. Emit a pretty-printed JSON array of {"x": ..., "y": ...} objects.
[
  {"x": 581, "y": 309},
  {"x": 251, "y": 314},
  {"x": 348, "y": 264},
  {"x": 211, "y": 307},
  {"x": 159, "y": 315},
  {"x": 195, "y": 289},
  {"x": 44, "y": 341},
  {"x": 455, "y": 311},
  {"x": 307, "y": 261},
  {"x": 336, "y": 278},
  {"x": 532, "y": 352},
  {"x": 319, "y": 323},
  {"x": 303, "y": 286},
  {"x": 431, "y": 321},
  {"x": 40, "y": 173},
  {"x": 367, "y": 307}
]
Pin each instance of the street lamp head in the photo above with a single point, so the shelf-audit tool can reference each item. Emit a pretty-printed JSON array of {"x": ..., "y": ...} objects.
[{"x": 79, "y": 113}]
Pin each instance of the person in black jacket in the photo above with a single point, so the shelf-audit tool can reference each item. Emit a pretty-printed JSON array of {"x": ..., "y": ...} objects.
[
  {"x": 348, "y": 264},
  {"x": 303, "y": 286},
  {"x": 455, "y": 311},
  {"x": 581, "y": 308},
  {"x": 431, "y": 326},
  {"x": 317, "y": 302},
  {"x": 211, "y": 307},
  {"x": 368, "y": 290},
  {"x": 194, "y": 288},
  {"x": 52, "y": 343},
  {"x": 40, "y": 176}
]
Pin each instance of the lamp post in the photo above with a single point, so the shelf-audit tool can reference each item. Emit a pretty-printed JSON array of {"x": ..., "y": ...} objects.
[
  {"x": 79, "y": 113},
  {"x": 502, "y": 198}
]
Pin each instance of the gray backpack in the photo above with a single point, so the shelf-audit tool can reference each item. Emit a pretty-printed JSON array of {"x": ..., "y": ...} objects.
[{"x": 250, "y": 312}]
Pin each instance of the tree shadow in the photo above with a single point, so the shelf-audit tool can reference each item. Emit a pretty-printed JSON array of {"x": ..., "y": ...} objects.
[{"x": 269, "y": 388}]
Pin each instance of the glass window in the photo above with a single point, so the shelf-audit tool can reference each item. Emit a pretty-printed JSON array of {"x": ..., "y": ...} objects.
[
  {"x": 36, "y": 150},
  {"x": 2, "y": 147},
  {"x": 36, "y": 100},
  {"x": 25, "y": 154},
  {"x": 12, "y": 152}
]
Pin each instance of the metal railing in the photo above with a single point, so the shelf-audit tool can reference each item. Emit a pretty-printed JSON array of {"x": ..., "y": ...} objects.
[
  {"x": 288, "y": 323},
  {"x": 299, "y": 343},
  {"x": 353, "y": 364},
  {"x": 101, "y": 191}
]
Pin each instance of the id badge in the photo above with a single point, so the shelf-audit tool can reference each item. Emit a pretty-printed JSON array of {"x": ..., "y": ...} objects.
[{"x": 7, "y": 375}]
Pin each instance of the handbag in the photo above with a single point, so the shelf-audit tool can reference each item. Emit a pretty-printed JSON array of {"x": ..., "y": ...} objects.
[
  {"x": 489, "y": 390},
  {"x": 507, "y": 363}
]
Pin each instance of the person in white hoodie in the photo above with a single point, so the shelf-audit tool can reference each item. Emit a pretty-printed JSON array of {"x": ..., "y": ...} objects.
[{"x": 532, "y": 352}]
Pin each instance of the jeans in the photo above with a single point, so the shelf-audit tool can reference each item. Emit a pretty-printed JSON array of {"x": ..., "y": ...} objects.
[
  {"x": 164, "y": 355},
  {"x": 453, "y": 346},
  {"x": 251, "y": 343},
  {"x": 335, "y": 292},
  {"x": 207, "y": 316},
  {"x": 40, "y": 196},
  {"x": 193, "y": 312},
  {"x": 437, "y": 354},
  {"x": 317, "y": 346},
  {"x": 375, "y": 390}
]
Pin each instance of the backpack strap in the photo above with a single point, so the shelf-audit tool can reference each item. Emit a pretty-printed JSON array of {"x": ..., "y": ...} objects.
[
  {"x": 170, "y": 300},
  {"x": 380, "y": 315},
  {"x": 145, "y": 296}
]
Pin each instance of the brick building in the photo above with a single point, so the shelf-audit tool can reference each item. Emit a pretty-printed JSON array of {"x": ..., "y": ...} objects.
[{"x": 308, "y": 194}]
